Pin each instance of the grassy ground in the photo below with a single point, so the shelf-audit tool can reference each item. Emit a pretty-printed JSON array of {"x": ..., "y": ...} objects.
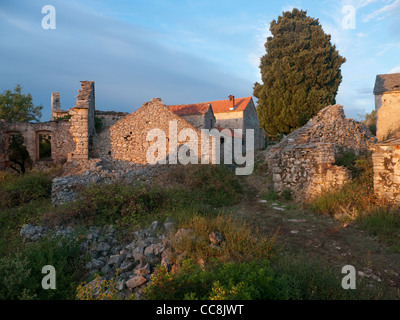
[
  {"x": 299, "y": 253},
  {"x": 369, "y": 243}
]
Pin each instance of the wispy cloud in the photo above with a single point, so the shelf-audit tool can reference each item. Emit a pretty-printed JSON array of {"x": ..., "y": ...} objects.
[
  {"x": 395, "y": 70},
  {"x": 19, "y": 23},
  {"x": 258, "y": 51},
  {"x": 383, "y": 12}
]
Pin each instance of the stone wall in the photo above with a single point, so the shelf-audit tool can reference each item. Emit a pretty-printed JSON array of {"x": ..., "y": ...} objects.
[
  {"x": 108, "y": 118},
  {"x": 387, "y": 106},
  {"x": 61, "y": 141},
  {"x": 82, "y": 120},
  {"x": 304, "y": 160},
  {"x": 250, "y": 121},
  {"x": 386, "y": 159},
  {"x": 126, "y": 140}
]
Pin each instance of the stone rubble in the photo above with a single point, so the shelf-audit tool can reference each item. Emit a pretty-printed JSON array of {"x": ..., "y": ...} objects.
[{"x": 135, "y": 261}]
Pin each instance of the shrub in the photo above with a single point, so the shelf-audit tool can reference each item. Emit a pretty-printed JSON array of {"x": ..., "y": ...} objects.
[
  {"x": 215, "y": 185},
  {"x": 240, "y": 242},
  {"x": 355, "y": 196},
  {"x": 24, "y": 189},
  {"x": 218, "y": 281},
  {"x": 25, "y": 281},
  {"x": 14, "y": 275},
  {"x": 115, "y": 203},
  {"x": 98, "y": 289},
  {"x": 383, "y": 223},
  {"x": 284, "y": 279}
]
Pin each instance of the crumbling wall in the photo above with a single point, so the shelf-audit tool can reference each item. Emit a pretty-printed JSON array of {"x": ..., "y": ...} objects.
[
  {"x": 126, "y": 140},
  {"x": 108, "y": 118},
  {"x": 82, "y": 122},
  {"x": 304, "y": 160},
  {"x": 61, "y": 141},
  {"x": 386, "y": 160}
]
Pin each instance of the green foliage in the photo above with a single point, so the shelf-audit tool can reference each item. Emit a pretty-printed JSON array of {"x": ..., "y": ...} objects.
[
  {"x": 98, "y": 124},
  {"x": 21, "y": 276},
  {"x": 99, "y": 289},
  {"x": 215, "y": 185},
  {"x": 240, "y": 244},
  {"x": 44, "y": 147},
  {"x": 64, "y": 117},
  {"x": 370, "y": 120},
  {"x": 19, "y": 155},
  {"x": 287, "y": 194},
  {"x": 218, "y": 281},
  {"x": 284, "y": 279},
  {"x": 16, "y": 191},
  {"x": 14, "y": 275},
  {"x": 356, "y": 195},
  {"x": 16, "y": 106},
  {"x": 383, "y": 223},
  {"x": 115, "y": 203},
  {"x": 300, "y": 73}
]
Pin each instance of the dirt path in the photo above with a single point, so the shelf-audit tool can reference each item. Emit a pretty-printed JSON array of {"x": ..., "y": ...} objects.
[{"x": 320, "y": 237}]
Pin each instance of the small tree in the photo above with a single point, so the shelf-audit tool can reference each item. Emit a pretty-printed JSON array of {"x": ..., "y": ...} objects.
[
  {"x": 16, "y": 106},
  {"x": 370, "y": 120},
  {"x": 19, "y": 156},
  {"x": 300, "y": 73}
]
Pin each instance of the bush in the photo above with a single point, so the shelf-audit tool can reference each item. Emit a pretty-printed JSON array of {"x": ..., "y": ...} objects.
[
  {"x": 98, "y": 289},
  {"x": 21, "y": 277},
  {"x": 16, "y": 191},
  {"x": 356, "y": 196},
  {"x": 115, "y": 203},
  {"x": 215, "y": 185},
  {"x": 218, "y": 281},
  {"x": 240, "y": 242},
  {"x": 384, "y": 224},
  {"x": 284, "y": 279}
]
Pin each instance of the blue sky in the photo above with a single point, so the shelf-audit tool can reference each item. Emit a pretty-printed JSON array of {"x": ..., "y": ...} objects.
[{"x": 181, "y": 51}]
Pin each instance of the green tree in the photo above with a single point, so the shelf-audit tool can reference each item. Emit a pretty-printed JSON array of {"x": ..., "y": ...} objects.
[
  {"x": 370, "y": 120},
  {"x": 16, "y": 106},
  {"x": 300, "y": 73},
  {"x": 19, "y": 156}
]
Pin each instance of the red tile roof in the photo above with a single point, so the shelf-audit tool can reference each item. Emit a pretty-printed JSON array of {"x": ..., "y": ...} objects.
[
  {"x": 188, "y": 109},
  {"x": 220, "y": 106}
]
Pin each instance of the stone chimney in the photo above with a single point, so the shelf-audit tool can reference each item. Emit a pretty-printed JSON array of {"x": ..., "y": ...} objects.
[
  {"x": 55, "y": 104},
  {"x": 232, "y": 99}
]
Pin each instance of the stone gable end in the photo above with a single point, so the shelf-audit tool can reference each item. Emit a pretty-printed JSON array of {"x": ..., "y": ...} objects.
[{"x": 304, "y": 161}]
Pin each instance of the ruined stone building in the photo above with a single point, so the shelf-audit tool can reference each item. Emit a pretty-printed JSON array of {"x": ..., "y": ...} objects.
[
  {"x": 387, "y": 105},
  {"x": 304, "y": 160},
  {"x": 81, "y": 135},
  {"x": 386, "y": 153}
]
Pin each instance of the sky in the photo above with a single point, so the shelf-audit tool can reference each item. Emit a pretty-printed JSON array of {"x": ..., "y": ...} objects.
[{"x": 184, "y": 51}]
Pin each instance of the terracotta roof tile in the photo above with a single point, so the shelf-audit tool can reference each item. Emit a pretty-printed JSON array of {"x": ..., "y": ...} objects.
[
  {"x": 222, "y": 106},
  {"x": 219, "y": 106},
  {"x": 188, "y": 109}
]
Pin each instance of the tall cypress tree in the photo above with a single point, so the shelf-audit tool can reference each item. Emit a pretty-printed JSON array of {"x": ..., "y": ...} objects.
[{"x": 300, "y": 73}]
